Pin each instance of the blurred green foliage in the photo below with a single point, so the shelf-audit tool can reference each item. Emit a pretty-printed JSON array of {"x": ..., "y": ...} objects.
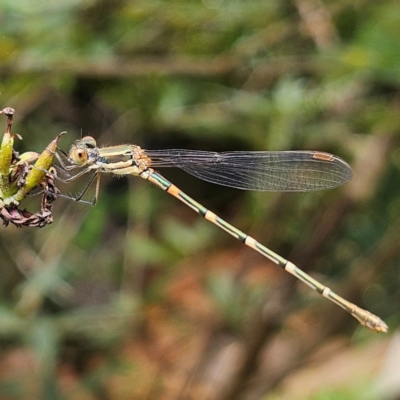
[{"x": 139, "y": 286}]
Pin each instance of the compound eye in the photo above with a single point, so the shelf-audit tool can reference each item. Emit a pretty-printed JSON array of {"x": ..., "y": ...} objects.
[
  {"x": 89, "y": 142},
  {"x": 78, "y": 155}
]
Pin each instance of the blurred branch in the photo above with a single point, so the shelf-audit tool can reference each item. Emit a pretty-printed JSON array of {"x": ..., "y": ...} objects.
[
  {"x": 169, "y": 65},
  {"x": 318, "y": 23},
  {"x": 114, "y": 68}
]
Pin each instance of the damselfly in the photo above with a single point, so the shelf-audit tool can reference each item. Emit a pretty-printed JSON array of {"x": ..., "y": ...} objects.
[{"x": 265, "y": 171}]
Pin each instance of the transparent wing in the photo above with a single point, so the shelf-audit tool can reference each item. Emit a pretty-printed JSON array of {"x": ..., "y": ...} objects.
[{"x": 283, "y": 171}]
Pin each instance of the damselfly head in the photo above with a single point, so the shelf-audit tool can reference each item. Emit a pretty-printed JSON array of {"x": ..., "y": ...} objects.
[{"x": 78, "y": 153}]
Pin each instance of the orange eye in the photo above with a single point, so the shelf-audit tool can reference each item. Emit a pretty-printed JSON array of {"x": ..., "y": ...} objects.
[{"x": 78, "y": 155}]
